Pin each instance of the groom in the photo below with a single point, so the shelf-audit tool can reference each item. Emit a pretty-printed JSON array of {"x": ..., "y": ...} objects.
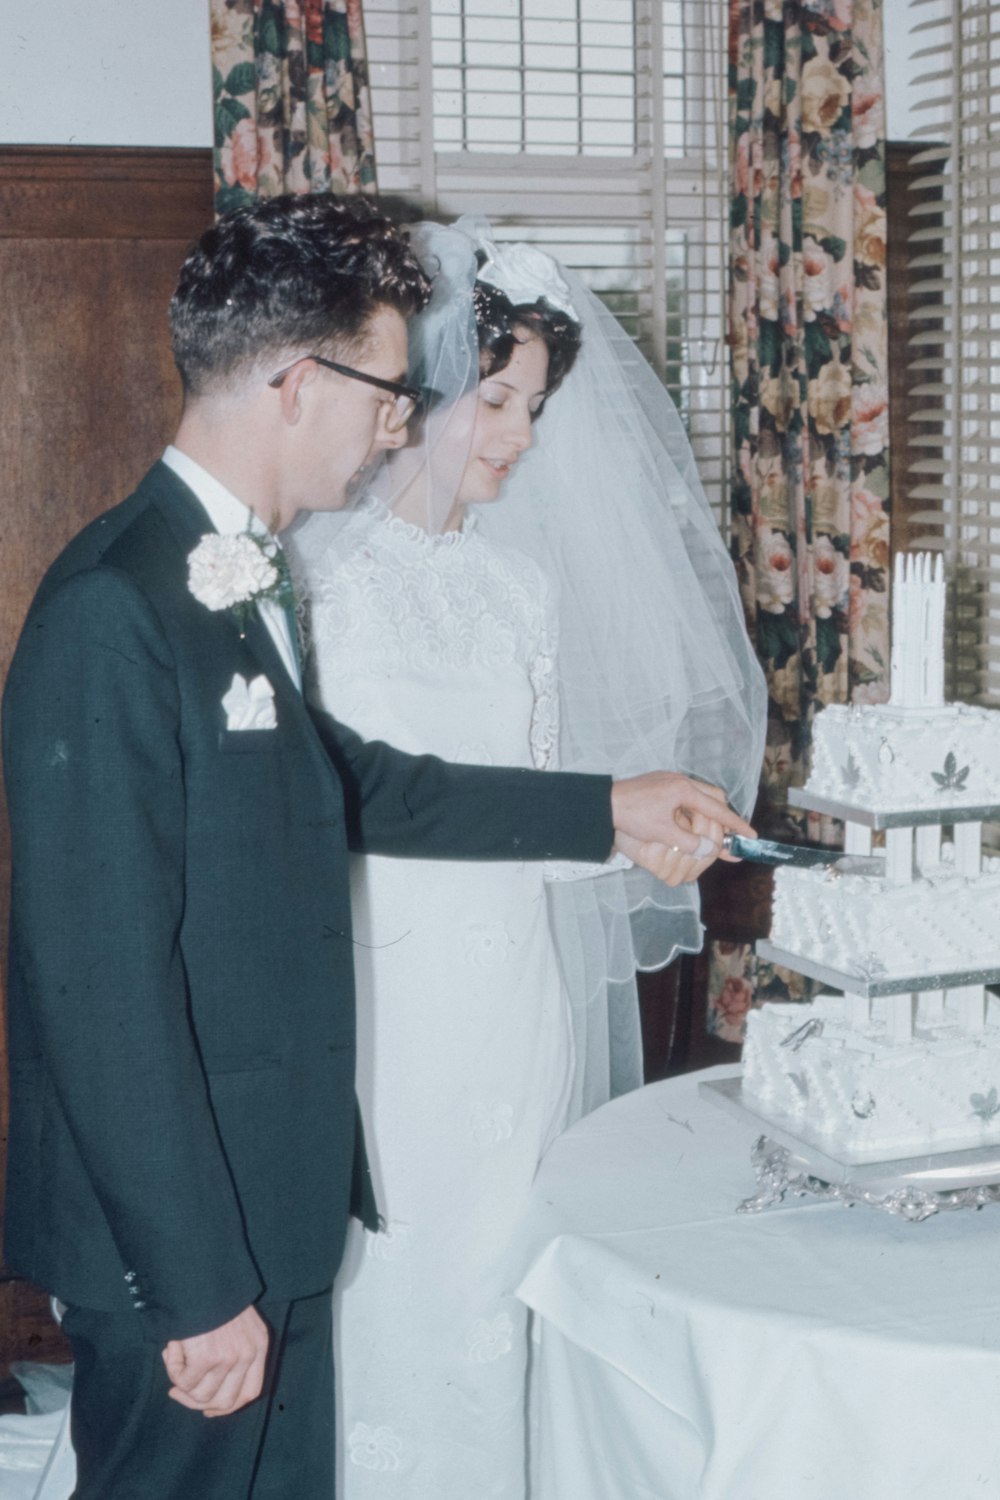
[{"x": 184, "y": 1148}]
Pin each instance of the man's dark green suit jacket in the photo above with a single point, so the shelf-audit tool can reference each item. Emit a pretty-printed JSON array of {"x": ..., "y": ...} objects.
[{"x": 181, "y": 1000}]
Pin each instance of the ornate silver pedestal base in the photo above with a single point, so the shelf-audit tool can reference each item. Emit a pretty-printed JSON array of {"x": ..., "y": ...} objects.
[
  {"x": 779, "y": 1172},
  {"x": 789, "y": 1158}
]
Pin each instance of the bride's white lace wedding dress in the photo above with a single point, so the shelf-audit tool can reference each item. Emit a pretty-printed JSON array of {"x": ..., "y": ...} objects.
[{"x": 443, "y": 644}]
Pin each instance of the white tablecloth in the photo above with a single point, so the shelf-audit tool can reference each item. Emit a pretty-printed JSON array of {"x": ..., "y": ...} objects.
[{"x": 813, "y": 1352}]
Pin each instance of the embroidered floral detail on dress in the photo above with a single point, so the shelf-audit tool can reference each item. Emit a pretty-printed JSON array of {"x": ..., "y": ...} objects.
[
  {"x": 391, "y": 1243},
  {"x": 492, "y": 1122},
  {"x": 486, "y": 944},
  {"x": 488, "y": 1341},
  {"x": 374, "y": 1447},
  {"x": 387, "y": 597}
]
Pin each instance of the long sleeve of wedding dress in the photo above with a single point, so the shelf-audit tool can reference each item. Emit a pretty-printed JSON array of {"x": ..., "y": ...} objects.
[{"x": 544, "y": 736}]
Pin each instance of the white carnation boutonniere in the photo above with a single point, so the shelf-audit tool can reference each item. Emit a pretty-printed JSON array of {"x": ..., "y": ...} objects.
[{"x": 238, "y": 572}]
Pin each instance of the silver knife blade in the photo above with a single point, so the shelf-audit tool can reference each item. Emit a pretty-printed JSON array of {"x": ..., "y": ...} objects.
[{"x": 770, "y": 852}]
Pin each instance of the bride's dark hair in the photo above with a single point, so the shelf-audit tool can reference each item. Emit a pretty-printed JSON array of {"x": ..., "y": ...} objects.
[{"x": 497, "y": 322}]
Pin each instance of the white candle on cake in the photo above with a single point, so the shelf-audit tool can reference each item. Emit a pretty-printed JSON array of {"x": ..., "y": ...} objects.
[
  {"x": 917, "y": 663},
  {"x": 937, "y": 636},
  {"x": 896, "y": 662},
  {"x": 911, "y": 642}
]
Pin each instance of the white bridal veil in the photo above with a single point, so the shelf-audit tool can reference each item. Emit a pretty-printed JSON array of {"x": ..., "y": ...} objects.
[{"x": 655, "y": 668}]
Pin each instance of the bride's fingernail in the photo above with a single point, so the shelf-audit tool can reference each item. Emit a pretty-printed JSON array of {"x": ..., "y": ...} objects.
[{"x": 706, "y": 846}]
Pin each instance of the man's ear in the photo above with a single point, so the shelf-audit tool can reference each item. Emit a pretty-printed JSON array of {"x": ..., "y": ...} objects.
[{"x": 301, "y": 374}]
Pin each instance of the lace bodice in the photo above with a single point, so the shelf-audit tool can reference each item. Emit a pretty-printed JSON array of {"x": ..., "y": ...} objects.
[{"x": 388, "y": 601}]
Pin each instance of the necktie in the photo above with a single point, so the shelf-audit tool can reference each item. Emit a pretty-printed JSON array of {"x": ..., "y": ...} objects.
[
  {"x": 286, "y": 601},
  {"x": 293, "y": 632}
]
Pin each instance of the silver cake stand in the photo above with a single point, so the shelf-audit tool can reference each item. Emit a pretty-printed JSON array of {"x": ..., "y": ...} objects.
[
  {"x": 898, "y": 817},
  {"x": 872, "y": 982},
  {"x": 790, "y": 1158}
]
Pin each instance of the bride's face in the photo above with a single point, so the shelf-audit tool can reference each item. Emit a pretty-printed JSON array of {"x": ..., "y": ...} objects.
[{"x": 505, "y": 405}]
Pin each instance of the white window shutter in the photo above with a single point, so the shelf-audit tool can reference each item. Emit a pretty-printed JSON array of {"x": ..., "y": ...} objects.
[{"x": 953, "y": 449}]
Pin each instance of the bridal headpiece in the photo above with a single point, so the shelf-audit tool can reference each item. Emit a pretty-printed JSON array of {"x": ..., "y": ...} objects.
[{"x": 524, "y": 274}]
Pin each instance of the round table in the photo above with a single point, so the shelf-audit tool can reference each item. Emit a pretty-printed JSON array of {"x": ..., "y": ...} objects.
[{"x": 687, "y": 1352}]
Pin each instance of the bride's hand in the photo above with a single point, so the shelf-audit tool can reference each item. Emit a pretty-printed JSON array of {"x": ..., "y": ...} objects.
[{"x": 671, "y": 825}]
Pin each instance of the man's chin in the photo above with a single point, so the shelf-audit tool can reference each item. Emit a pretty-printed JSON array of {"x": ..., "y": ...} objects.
[{"x": 334, "y": 500}]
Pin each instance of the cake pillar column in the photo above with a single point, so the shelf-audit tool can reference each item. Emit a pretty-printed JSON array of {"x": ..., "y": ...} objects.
[
  {"x": 857, "y": 838},
  {"x": 899, "y": 856},
  {"x": 930, "y": 1007},
  {"x": 857, "y": 1011},
  {"x": 970, "y": 1002},
  {"x": 899, "y": 1017},
  {"x": 928, "y": 846},
  {"x": 968, "y": 848}
]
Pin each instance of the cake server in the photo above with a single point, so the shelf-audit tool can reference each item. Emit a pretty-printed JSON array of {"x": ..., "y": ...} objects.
[{"x": 770, "y": 852}]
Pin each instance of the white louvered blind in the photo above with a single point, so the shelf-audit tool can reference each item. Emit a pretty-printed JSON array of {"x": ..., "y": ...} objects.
[
  {"x": 953, "y": 457},
  {"x": 594, "y": 128}
]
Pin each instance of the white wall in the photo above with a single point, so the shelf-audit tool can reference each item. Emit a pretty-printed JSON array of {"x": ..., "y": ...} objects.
[
  {"x": 898, "y": 103},
  {"x": 901, "y": 96},
  {"x": 137, "y": 72},
  {"x": 105, "y": 73}
]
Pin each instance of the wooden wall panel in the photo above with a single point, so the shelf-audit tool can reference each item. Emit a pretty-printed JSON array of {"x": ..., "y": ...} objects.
[{"x": 90, "y": 244}]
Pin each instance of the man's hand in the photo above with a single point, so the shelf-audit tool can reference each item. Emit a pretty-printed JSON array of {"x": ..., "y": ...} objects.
[
  {"x": 218, "y": 1372},
  {"x": 671, "y": 825}
]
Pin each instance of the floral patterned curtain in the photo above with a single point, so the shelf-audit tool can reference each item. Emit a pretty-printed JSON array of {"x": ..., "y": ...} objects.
[
  {"x": 809, "y": 363},
  {"x": 290, "y": 86}
]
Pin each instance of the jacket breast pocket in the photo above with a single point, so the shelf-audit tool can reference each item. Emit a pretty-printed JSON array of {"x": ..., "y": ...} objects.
[{"x": 248, "y": 741}]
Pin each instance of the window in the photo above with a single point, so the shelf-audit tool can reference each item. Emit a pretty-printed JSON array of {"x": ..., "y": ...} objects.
[
  {"x": 594, "y": 128},
  {"x": 953, "y": 449}
]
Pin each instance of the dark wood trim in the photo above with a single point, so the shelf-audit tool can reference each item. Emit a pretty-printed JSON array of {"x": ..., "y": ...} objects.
[
  {"x": 104, "y": 192},
  {"x": 91, "y": 240}
]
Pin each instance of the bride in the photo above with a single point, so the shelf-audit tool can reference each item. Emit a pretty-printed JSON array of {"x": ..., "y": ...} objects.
[{"x": 588, "y": 619}]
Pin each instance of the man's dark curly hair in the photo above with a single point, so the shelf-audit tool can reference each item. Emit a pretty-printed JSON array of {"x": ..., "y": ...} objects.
[
  {"x": 291, "y": 273},
  {"x": 498, "y": 321}
]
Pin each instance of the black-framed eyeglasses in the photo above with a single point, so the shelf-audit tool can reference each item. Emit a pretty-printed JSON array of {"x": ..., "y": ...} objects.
[{"x": 407, "y": 397}]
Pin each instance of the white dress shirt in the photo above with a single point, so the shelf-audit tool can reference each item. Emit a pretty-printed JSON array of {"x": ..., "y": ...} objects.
[{"x": 229, "y": 515}]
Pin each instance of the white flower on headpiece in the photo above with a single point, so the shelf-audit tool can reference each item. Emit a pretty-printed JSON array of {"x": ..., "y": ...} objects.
[{"x": 524, "y": 273}]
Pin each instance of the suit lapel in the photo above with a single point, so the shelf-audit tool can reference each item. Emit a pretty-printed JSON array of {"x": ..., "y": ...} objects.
[{"x": 188, "y": 521}]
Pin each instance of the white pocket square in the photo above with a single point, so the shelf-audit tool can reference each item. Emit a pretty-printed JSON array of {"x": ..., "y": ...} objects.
[{"x": 250, "y": 705}]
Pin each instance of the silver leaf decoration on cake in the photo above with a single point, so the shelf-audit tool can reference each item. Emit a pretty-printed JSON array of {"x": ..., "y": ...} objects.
[
  {"x": 985, "y": 1105},
  {"x": 800, "y": 1083},
  {"x": 850, "y": 774},
  {"x": 951, "y": 779},
  {"x": 869, "y": 966},
  {"x": 797, "y": 1038},
  {"x": 885, "y": 754},
  {"x": 863, "y": 1105}
]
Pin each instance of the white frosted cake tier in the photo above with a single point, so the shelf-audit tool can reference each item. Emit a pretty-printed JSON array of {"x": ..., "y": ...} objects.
[
  {"x": 860, "y": 924},
  {"x": 858, "y": 1090},
  {"x": 882, "y": 758}
]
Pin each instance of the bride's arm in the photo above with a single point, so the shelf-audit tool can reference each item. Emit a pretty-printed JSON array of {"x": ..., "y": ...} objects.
[
  {"x": 542, "y": 670},
  {"x": 544, "y": 675}
]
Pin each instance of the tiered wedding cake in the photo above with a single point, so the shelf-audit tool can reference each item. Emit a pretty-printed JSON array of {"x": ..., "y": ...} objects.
[{"x": 907, "y": 1059}]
